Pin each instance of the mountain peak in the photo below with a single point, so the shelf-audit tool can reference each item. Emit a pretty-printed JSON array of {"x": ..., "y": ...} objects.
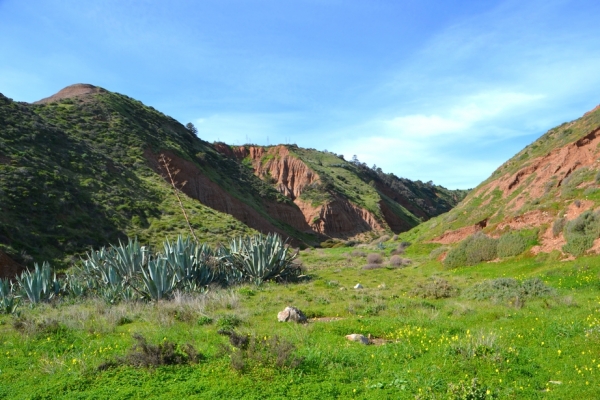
[{"x": 76, "y": 90}]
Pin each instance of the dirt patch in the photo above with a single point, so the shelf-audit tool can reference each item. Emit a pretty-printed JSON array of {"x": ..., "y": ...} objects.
[
  {"x": 595, "y": 249},
  {"x": 577, "y": 208},
  {"x": 456, "y": 235},
  {"x": 530, "y": 219}
]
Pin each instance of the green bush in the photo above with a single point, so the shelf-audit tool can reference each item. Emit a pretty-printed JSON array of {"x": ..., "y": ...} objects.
[
  {"x": 501, "y": 289},
  {"x": 581, "y": 233},
  {"x": 515, "y": 243},
  {"x": 473, "y": 250},
  {"x": 435, "y": 288}
]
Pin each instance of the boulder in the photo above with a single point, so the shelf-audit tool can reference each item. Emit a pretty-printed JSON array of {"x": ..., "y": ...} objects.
[
  {"x": 358, "y": 286},
  {"x": 291, "y": 314},
  {"x": 357, "y": 337}
]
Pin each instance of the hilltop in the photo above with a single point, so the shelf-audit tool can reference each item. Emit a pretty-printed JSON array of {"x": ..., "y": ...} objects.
[{"x": 82, "y": 169}]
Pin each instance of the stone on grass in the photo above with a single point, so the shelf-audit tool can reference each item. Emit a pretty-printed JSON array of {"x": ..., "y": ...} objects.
[
  {"x": 357, "y": 337},
  {"x": 291, "y": 314},
  {"x": 358, "y": 286}
]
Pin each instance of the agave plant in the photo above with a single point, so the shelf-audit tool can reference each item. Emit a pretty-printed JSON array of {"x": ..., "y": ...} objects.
[
  {"x": 116, "y": 270},
  {"x": 129, "y": 259},
  {"x": 40, "y": 284},
  {"x": 8, "y": 301},
  {"x": 260, "y": 258},
  {"x": 159, "y": 279},
  {"x": 195, "y": 265}
]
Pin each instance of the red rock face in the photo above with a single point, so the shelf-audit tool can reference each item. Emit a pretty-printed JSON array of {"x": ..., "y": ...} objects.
[{"x": 290, "y": 175}]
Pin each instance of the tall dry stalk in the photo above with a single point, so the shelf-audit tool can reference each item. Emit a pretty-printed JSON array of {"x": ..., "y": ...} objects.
[{"x": 165, "y": 164}]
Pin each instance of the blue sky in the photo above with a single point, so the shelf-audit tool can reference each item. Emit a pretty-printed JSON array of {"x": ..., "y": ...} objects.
[{"x": 431, "y": 90}]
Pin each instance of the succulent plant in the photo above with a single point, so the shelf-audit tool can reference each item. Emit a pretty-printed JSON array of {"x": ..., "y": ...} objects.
[
  {"x": 261, "y": 258},
  {"x": 40, "y": 284}
]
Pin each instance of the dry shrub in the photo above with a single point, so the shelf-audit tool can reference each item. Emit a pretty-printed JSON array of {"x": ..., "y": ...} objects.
[
  {"x": 268, "y": 351},
  {"x": 435, "y": 288},
  {"x": 358, "y": 253},
  {"x": 397, "y": 261},
  {"x": 374, "y": 258},
  {"x": 146, "y": 355},
  {"x": 372, "y": 266}
]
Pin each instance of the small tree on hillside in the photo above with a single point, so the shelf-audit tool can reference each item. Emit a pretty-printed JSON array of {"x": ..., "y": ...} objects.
[{"x": 190, "y": 127}]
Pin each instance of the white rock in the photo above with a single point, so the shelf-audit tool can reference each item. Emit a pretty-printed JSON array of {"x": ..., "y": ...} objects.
[
  {"x": 291, "y": 314},
  {"x": 357, "y": 337},
  {"x": 358, "y": 286}
]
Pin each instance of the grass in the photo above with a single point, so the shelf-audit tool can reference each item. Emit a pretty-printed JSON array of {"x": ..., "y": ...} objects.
[{"x": 431, "y": 346}]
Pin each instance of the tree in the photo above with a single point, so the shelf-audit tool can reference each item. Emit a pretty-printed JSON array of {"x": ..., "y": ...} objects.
[{"x": 190, "y": 127}]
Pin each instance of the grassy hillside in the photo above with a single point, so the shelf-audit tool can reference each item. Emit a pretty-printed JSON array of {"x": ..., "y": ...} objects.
[
  {"x": 411, "y": 201},
  {"x": 80, "y": 172},
  {"x": 73, "y": 175}
]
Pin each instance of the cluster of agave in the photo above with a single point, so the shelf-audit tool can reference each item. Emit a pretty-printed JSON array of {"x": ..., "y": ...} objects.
[{"x": 132, "y": 272}]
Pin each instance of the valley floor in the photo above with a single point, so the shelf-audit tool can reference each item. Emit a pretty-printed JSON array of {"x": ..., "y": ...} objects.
[{"x": 436, "y": 333}]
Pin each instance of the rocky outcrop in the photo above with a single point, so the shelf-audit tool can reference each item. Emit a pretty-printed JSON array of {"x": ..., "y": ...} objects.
[
  {"x": 291, "y": 314},
  {"x": 290, "y": 175}
]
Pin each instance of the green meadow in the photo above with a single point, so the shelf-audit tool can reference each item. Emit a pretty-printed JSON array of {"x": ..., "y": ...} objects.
[{"x": 521, "y": 328}]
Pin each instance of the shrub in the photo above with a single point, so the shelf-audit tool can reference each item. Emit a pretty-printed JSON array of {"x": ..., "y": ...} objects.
[
  {"x": 558, "y": 226},
  {"x": 267, "y": 351},
  {"x": 397, "y": 261},
  {"x": 371, "y": 266},
  {"x": 143, "y": 354},
  {"x": 581, "y": 233},
  {"x": 502, "y": 289},
  {"x": 470, "y": 391},
  {"x": 358, "y": 253},
  {"x": 435, "y": 288},
  {"x": 515, "y": 243},
  {"x": 228, "y": 321},
  {"x": 374, "y": 258},
  {"x": 472, "y": 250},
  {"x": 400, "y": 249},
  {"x": 437, "y": 252},
  {"x": 205, "y": 320},
  {"x": 382, "y": 239}
]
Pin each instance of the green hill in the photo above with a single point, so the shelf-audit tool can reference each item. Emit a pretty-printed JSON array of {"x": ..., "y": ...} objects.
[{"x": 82, "y": 169}]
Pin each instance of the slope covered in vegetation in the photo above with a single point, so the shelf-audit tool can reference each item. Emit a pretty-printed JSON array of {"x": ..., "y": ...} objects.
[
  {"x": 82, "y": 169},
  {"x": 341, "y": 199},
  {"x": 547, "y": 194}
]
